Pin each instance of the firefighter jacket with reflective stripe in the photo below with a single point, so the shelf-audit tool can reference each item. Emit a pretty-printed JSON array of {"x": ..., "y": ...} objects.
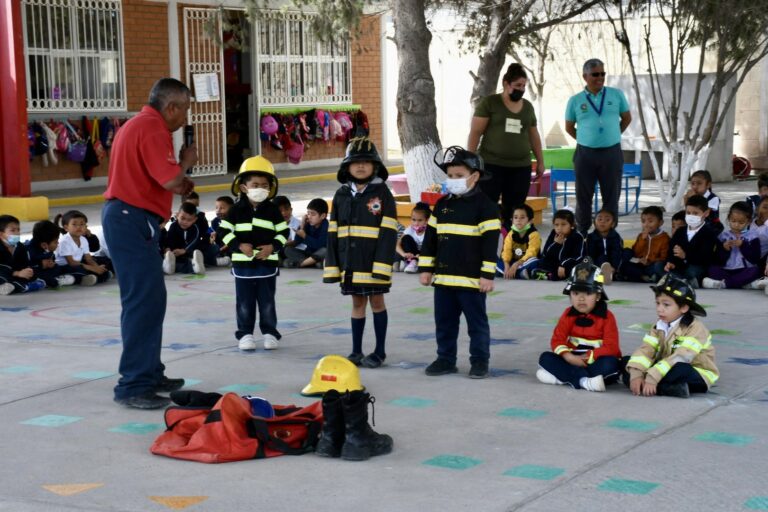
[
  {"x": 361, "y": 236},
  {"x": 258, "y": 226},
  {"x": 595, "y": 333},
  {"x": 684, "y": 344},
  {"x": 461, "y": 241}
]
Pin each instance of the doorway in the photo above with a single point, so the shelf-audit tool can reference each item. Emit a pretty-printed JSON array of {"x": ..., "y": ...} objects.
[{"x": 238, "y": 91}]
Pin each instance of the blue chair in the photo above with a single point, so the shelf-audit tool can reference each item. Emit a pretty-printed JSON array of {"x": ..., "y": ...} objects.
[
  {"x": 558, "y": 187},
  {"x": 632, "y": 180}
]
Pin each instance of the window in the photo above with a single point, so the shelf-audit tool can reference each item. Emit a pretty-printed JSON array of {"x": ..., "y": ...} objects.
[
  {"x": 295, "y": 68},
  {"x": 74, "y": 52}
]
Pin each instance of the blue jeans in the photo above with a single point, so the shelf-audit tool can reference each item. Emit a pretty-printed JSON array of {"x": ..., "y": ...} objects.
[
  {"x": 565, "y": 372},
  {"x": 132, "y": 235},
  {"x": 250, "y": 293},
  {"x": 450, "y": 303}
]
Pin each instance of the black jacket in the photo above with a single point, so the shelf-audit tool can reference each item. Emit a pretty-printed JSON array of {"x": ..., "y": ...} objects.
[
  {"x": 256, "y": 226},
  {"x": 700, "y": 250},
  {"x": 608, "y": 249},
  {"x": 12, "y": 262},
  {"x": 566, "y": 255}
]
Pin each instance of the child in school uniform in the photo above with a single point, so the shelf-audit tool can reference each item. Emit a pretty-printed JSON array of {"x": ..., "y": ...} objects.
[
  {"x": 223, "y": 205},
  {"x": 42, "y": 258},
  {"x": 458, "y": 258},
  {"x": 737, "y": 257},
  {"x": 701, "y": 184},
  {"x": 692, "y": 249},
  {"x": 604, "y": 244},
  {"x": 409, "y": 245},
  {"x": 644, "y": 262},
  {"x": 74, "y": 252},
  {"x": 361, "y": 244},
  {"x": 184, "y": 243},
  {"x": 677, "y": 221},
  {"x": 563, "y": 249},
  {"x": 311, "y": 238},
  {"x": 677, "y": 356},
  {"x": 585, "y": 343},
  {"x": 254, "y": 251},
  {"x": 16, "y": 275},
  {"x": 521, "y": 245}
]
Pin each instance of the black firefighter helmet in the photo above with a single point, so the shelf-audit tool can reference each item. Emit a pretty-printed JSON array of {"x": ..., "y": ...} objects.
[
  {"x": 585, "y": 277},
  {"x": 361, "y": 149},
  {"x": 677, "y": 287},
  {"x": 457, "y": 155}
]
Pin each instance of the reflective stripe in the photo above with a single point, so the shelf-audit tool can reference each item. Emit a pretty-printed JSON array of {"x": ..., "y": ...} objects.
[
  {"x": 382, "y": 268},
  {"x": 238, "y": 256},
  {"x": 281, "y": 239},
  {"x": 367, "y": 278},
  {"x": 432, "y": 221},
  {"x": 591, "y": 357},
  {"x": 489, "y": 267},
  {"x": 562, "y": 348},
  {"x": 708, "y": 343},
  {"x": 489, "y": 225},
  {"x": 460, "y": 281},
  {"x": 333, "y": 226},
  {"x": 389, "y": 222},
  {"x": 457, "y": 229},
  {"x": 358, "y": 231},
  {"x": 243, "y": 227},
  {"x": 583, "y": 341},
  {"x": 228, "y": 238},
  {"x": 709, "y": 375},
  {"x": 641, "y": 360},
  {"x": 651, "y": 340},
  {"x": 283, "y": 225},
  {"x": 331, "y": 272},
  {"x": 690, "y": 343},
  {"x": 227, "y": 225},
  {"x": 662, "y": 367},
  {"x": 426, "y": 261},
  {"x": 261, "y": 223}
]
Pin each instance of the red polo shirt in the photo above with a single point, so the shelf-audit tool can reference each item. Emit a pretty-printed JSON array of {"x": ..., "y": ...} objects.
[{"x": 141, "y": 162}]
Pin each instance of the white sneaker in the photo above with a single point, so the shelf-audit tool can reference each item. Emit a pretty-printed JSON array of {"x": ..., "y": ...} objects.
[
  {"x": 545, "y": 377},
  {"x": 270, "y": 342},
  {"x": 6, "y": 289},
  {"x": 607, "y": 270},
  {"x": 757, "y": 284},
  {"x": 66, "y": 280},
  {"x": 714, "y": 284},
  {"x": 169, "y": 263},
  {"x": 402, "y": 264},
  {"x": 247, "y": 342},
  {"x": 89, "y": 280},
  {"x": 198, "y": 265},
  {"x": 412, "y": 267},
  {"x": 593, "y": 383},
  {"x": 223, "y": 261}
]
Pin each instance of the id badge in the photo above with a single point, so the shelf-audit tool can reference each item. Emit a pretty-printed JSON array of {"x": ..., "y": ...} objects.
[{"x": 513, "y": 126}]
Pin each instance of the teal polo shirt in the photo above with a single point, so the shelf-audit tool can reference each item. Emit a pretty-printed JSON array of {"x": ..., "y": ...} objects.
[{"x": 595, "y": 130}]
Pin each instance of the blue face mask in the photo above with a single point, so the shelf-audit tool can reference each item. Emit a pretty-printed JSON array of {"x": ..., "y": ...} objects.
[{"x": 13, "y": 240}]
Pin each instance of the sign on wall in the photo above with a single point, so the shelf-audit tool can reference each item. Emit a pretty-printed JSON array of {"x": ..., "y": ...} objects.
[{"x": 206, "y": 87}]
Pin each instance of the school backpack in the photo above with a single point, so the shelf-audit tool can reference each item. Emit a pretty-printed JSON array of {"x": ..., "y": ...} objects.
[{"x": 229, "y": 432}]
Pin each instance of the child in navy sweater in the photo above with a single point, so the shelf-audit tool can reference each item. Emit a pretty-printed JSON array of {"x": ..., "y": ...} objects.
[
  {"x": 42, "y": 258},
  {"x": 16, "y": 276},
  {"x": 563, "y": 249},
  {"x": 692, "y": 248},
  {"x": 604, "y": 245},
  {"x": 311, "y": 239}
]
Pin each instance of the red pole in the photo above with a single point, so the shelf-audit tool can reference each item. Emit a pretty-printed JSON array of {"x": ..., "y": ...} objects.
[{"x": 14, "y": 150}]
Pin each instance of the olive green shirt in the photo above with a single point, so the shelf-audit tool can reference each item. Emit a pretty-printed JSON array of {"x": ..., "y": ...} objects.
[{"x": 506, "y": 140}]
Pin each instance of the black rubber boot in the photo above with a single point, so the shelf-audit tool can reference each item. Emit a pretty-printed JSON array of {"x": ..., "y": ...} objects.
[
  {"x": 679, "y": 390},
  {"x": 332, "y": 435},
  {"x": 361, "y": 442}
]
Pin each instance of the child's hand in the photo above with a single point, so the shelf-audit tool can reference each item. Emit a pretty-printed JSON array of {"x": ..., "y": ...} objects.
[
  {"x": 408, "y": 255},
  {"x": 644, "y": 261},
  {"x": 213, "y": 237},
  {"x": 510, "y": 270},
  {"x": 486, "y": 285},
  {"x": 99, "y": 269},
  {"x": 246, "y": 249},
  {"x": 26, "y": 273},
  {"x": 561, "y": 272},
  {"x": 574, "y": 360},
  {"x": 179, "y": 252},
  {"x": 737, "y": 243},
  {"x": 559, "y": 239},
  {"x": 48, "y": 263},
  {"x": 425, "y": 278},
  {"x": 668, "y": 267},
  {"x": 649, "y": 389},
  {"x": 636, "y": 386},
  {"x": 264, "y": 251}
]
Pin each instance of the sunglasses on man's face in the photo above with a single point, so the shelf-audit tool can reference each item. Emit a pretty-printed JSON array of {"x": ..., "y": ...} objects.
[{"x": 597, "y": 75}]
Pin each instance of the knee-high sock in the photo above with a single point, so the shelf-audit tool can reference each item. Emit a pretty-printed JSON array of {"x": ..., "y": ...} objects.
[
  {"x": 358, "y": 326},
  {"x": 380, "y": 327}
]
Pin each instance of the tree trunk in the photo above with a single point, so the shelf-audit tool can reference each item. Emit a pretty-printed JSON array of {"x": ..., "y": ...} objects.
[
  {"x": 416, "y": 112},
  {"x": 493, "y": 56}
]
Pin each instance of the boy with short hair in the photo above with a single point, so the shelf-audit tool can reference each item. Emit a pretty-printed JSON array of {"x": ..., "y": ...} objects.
[
  {"x": 677, "y": 221},
  {"x": 223, "y": 205},
  {"x": 42, "y": 258},
  {"x": 16, "y": 276},
  {"x": 184, "y": 243},
  {"x": 604, "y": 244},
  {"x": 762, "y": 191},
  {"x": 701, "y": 184},
  {"x": 693, "y": 248},
  {"x": 644, "y": 262},
  {"x": 311, "y": 237},
  {"x": 458, "y": 258}
]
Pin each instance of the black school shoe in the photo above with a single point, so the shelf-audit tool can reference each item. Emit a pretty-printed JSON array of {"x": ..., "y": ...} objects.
[
  {"x": 148, "y": 400},
  {"x": 372, "y": 360},
  {"x": 355, "y": 358},
  {"x": 167, "y": 385},
  {"x": 440, "y": 367},
  {"x": 478, "y": 370},
  {"x": 679, "y": 390}
]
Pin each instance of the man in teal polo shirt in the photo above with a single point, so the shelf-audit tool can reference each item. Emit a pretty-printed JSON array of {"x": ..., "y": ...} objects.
[{"x": 601, "y": 114}]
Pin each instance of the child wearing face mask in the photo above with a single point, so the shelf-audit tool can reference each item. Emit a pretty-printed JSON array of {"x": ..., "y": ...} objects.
[
  {"x": 521, "y": 245},
  {"x": 692, "y": 249},
  {"x": 409, "y": 245},
  {"x": 361, "y": 244},
  {"x": 42, "y": 257},
  {"x": 16, "y": 275},
  {"x": 254, "y": 251},
  {"x": 738, "y": 253}
]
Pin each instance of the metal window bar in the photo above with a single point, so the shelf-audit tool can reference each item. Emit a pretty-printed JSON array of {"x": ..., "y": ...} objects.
[{"x": 73, "y": 49}]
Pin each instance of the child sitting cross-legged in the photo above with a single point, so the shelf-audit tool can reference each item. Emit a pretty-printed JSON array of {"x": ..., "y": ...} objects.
[
  {"x": 309, "y": 246},
  {"x": 604, "y": 244},
  {"x": 74, "y": 252},
  {"x": 16, "y": 276},
  {"x": 42, "y": 257},
  {"x": 182, "y": 246},
  {"x": 645, "y": 260},
  {"x": 520, "y": 252},
  {"x": 409, "y": 245},
  {"x": 585, "y": 343},
  {"x": 737, "y": 257},
  {"x": 563, "y": 249}
]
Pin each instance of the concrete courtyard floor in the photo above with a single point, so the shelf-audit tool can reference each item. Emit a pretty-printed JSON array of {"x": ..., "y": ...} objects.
[{"x": 501, "y": 444}]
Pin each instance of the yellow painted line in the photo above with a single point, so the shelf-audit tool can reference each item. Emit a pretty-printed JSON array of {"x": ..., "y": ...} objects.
[
  {"x": 71, "y": 489},
  {"x": 219, "y": 187},
  {"x": 178, "y": 502}
]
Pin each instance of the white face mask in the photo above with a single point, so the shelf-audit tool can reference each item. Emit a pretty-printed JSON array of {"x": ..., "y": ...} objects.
[
  {"x": 257, "y": 195},
  {"x": 456, "y": 186},
  {"x": 693, "y": 221}
]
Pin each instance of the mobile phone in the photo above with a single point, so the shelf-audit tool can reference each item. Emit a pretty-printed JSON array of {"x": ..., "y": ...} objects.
[{"x": 189, "y": 135}]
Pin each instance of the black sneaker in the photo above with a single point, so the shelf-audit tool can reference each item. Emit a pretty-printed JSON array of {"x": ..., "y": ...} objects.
[
  {"x": 372, "y": 360},
  {"x": 478, "y": 370},
  {"x": 167, "y": 385},
  {"x": 148, "y": 400},
  {"x": 355, "y": 358},
  {"x": 679, "y": 390},
  {"x": 440, "y": 367}
]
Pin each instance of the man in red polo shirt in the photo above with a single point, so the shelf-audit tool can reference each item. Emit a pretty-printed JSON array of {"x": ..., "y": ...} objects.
[{"x": 143, "y": 176}]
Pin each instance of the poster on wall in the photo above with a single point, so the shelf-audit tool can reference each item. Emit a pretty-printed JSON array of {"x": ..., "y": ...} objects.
[{"x": 206, "y": 87}]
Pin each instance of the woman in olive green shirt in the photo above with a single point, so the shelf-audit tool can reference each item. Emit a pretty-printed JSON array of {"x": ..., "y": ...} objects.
[{"x": 504, "y": 128}]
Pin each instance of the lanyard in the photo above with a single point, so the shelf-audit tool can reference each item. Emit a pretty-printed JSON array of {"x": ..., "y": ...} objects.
[{"x": 602, "y": 102}]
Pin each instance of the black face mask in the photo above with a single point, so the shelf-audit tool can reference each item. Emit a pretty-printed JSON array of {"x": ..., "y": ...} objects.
[{"x": 516, "y": 95}]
